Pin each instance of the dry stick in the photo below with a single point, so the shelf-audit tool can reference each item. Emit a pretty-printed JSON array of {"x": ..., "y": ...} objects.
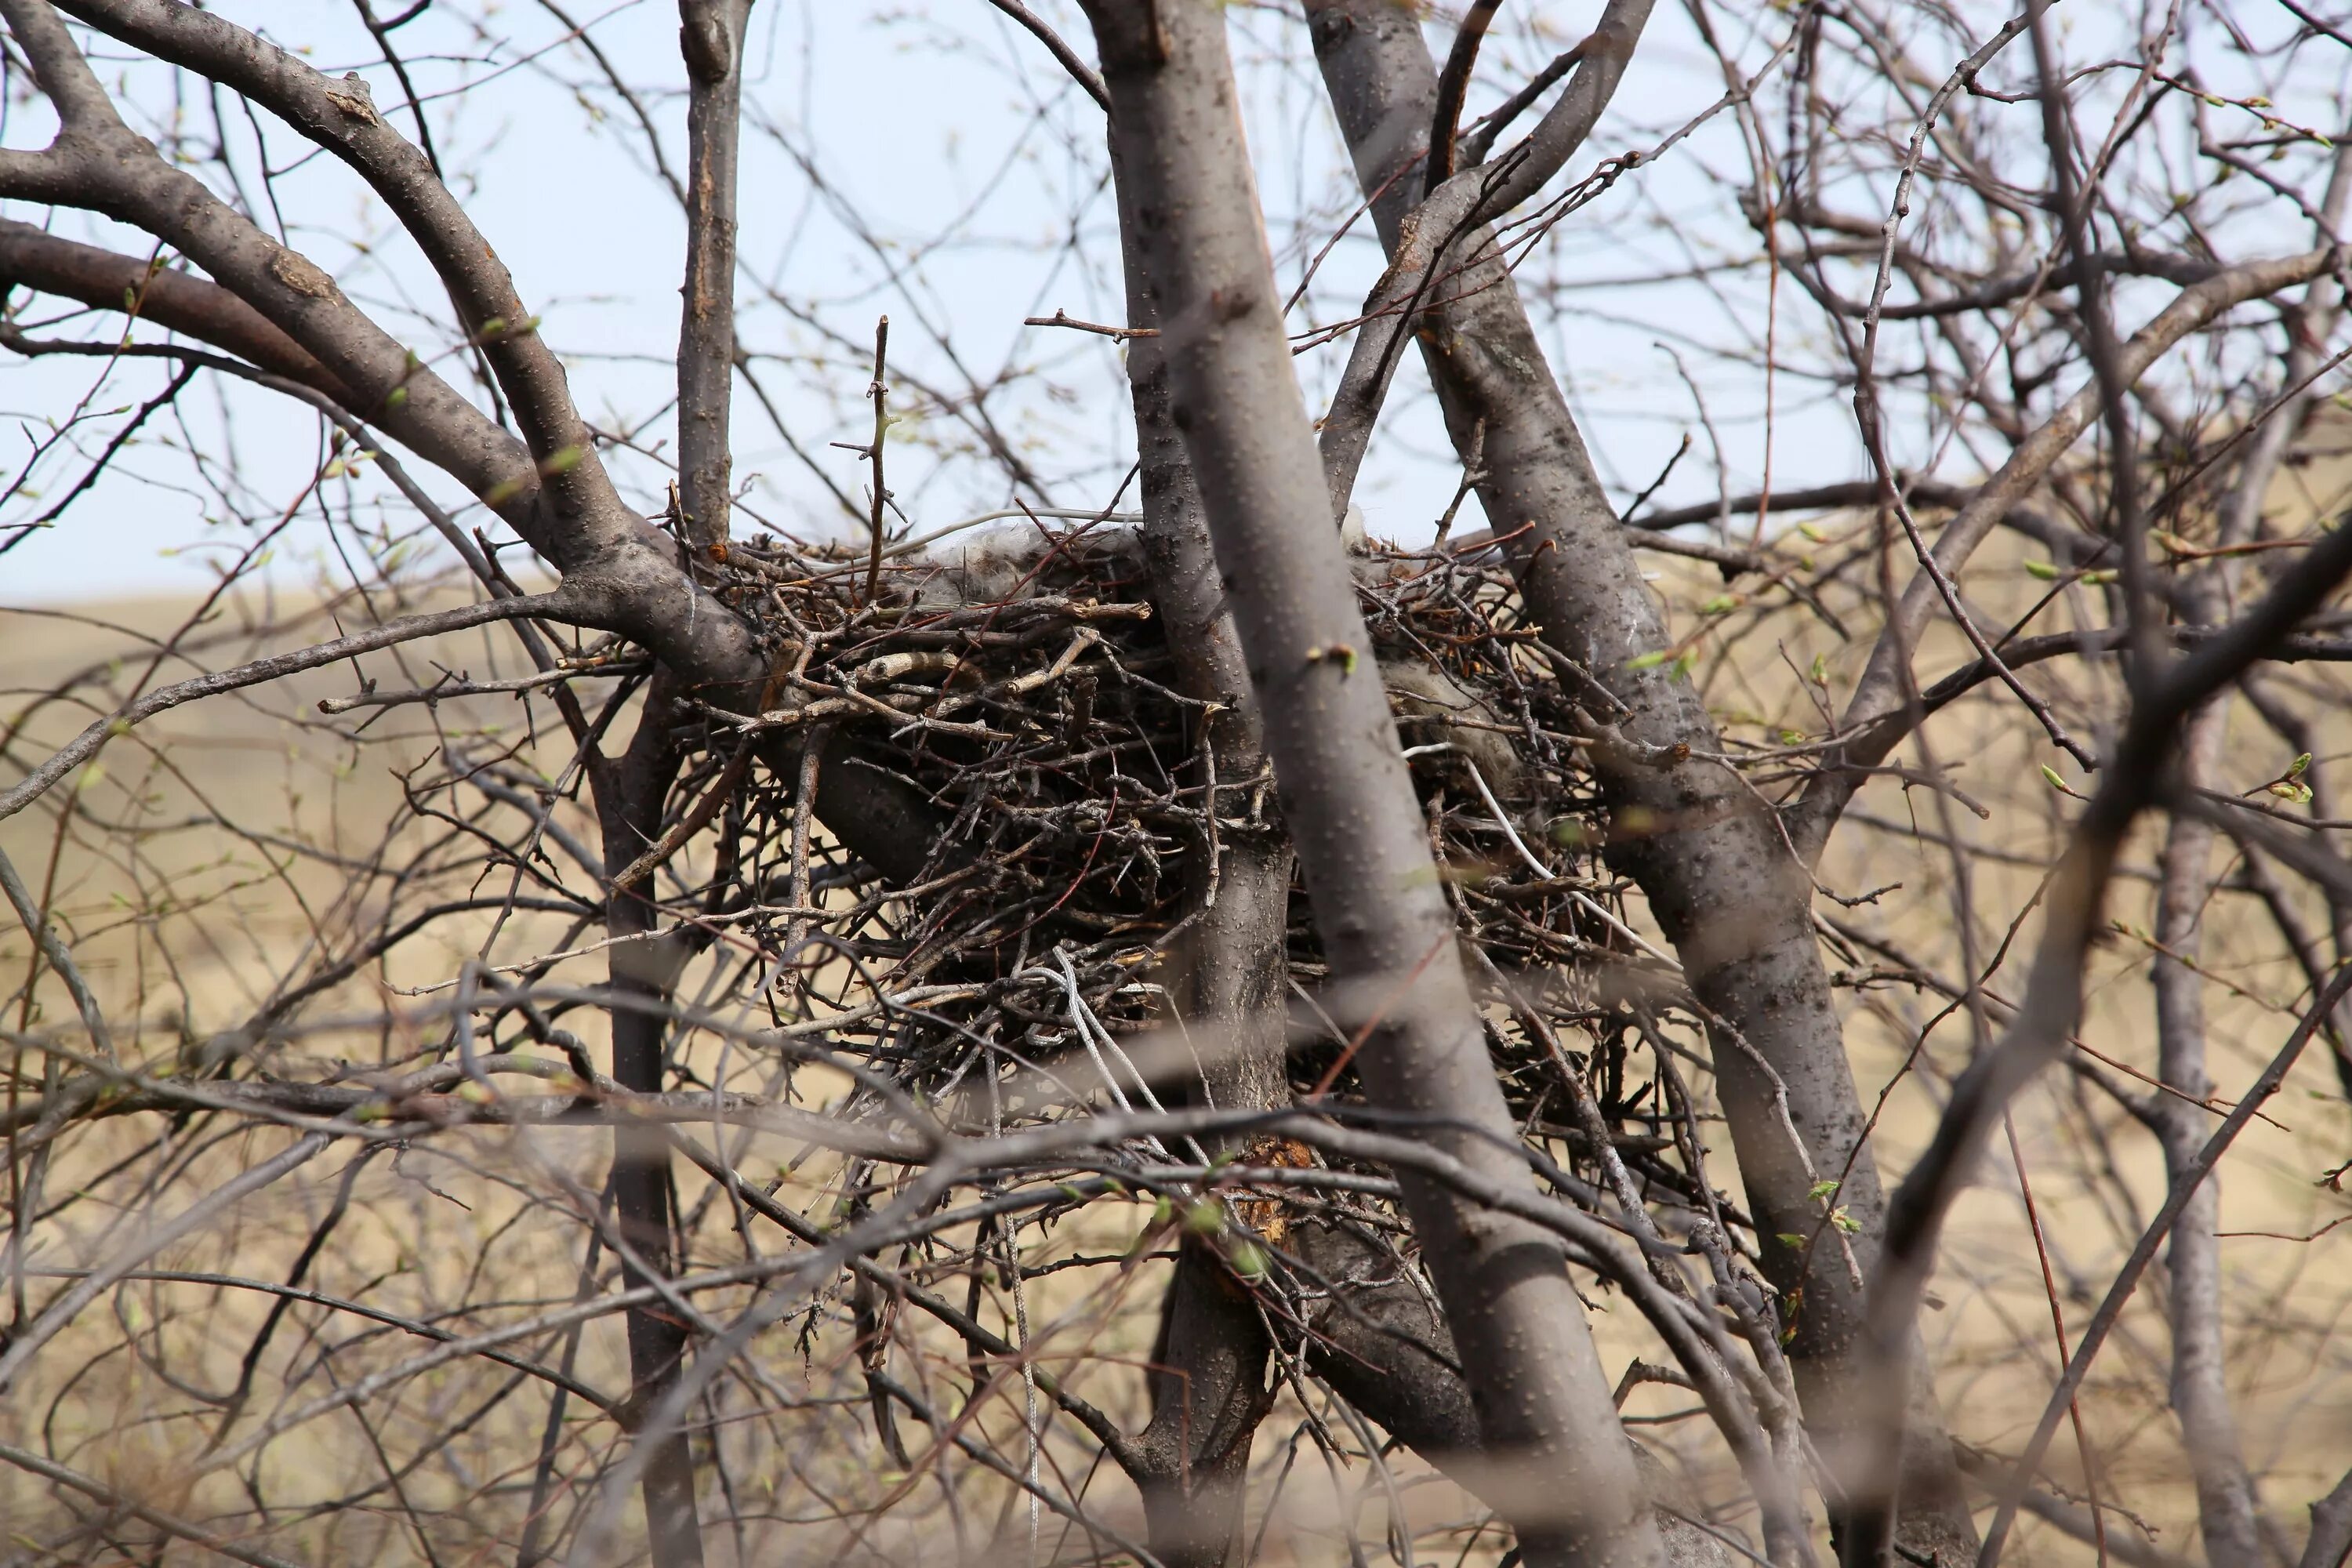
[
  {"x": 146, "y": 1245},
  {"x": 880, "y": 394},
  {"x": 714, "y": 800},
  {"x": 170, "y": 1524},
  {"x": 83, "y": 747},
  {"x": 710, "y": 38},
  {"x": 1454, "y": 215},
  {"x": 1070, "y": 60},
  {"x": 2058, "y": 1328},
  {"x": 1452, "y": 86},
  {"x": 53, "y": 948},
  {"x": 2104, "y": 1320}
]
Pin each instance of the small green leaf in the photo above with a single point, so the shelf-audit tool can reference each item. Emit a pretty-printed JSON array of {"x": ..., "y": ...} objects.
[
  {"x": 1820, "y": 673},
  {"x": 2294, "y": 769},
  {"x": 2044, "y": 570},
  {"x": 1721, "y": 604},
  {"x": 1649, "y": 660},
  {"x": 1686, "y": 664},
  {"x": 1205, "y": 1216},
  {"x": 1820, "y": 1190},
  {"x": 2289, "y": 790},
  {"x": 1812, "y": 531},
  {"x": 1845, "y": 1222},
  {"x": 1792, "y": 737},
  {"x": 1791, "y": 1238},
  {"x": 1248, "y": 1261}
]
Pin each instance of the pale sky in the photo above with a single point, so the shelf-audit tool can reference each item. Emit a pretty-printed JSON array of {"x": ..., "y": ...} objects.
[{"x": 918, "y": 176}]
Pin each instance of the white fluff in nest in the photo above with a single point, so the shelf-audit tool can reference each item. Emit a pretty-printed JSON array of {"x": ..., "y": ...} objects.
[
  {"x": 992, "y": 566},
  {"x": 995, "y": 565},
  {"x": 1430, "y": 707}
]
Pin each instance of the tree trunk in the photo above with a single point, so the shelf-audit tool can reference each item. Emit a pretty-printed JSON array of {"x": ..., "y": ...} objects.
[
  {"x": 2226, "y": 1507},
  {"x": 1543, "y": 1404},
  {"x": 630, "y": 805},
  {"x": 1228, "y": 971},
  {"x": 1719, "y": 879},
  {"x": 1389, "y": 1355},
  {"x": 710, "y": 37}
]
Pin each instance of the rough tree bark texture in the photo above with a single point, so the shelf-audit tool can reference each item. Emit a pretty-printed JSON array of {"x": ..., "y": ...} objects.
[
  {"x": 1719, "y": 879},
  {"x": 1207, "y": 1369},
  {"x": 1392, "y": 1357},
  {"x": 1207, "y": 1377},
  {"x": 710, "y": 37},
  {"x": 632, "y": 790},
  {"x": 1543, "y": 1404}
]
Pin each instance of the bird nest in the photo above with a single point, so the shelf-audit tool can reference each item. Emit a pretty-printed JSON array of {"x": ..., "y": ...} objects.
[{"x": 1024, "y": 686}]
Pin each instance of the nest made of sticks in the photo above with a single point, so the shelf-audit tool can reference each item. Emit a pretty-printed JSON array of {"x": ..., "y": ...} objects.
[{"x": 1023, "y": 685}]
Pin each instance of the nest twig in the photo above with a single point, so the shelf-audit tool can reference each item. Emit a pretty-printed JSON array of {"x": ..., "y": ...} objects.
[{"x": 1032, "y": 704}]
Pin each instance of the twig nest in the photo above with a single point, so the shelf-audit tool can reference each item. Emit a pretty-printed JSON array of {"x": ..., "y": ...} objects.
[
  {"x": 1005, "y": 564},
  {"x": 1433, "y": 710},
  {"x": 1021, "y": 681}
]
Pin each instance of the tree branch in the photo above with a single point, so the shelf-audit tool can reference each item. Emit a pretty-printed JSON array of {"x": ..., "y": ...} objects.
[
  {"x": 559, "y": 606},
  {"x": 1387, "y": 928}
]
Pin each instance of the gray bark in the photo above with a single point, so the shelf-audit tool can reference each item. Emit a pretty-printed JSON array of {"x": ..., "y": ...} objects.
[
  {"x": 2226, "y": 1506},
  {"x": 710, "y": 37},
  {"x": 630, "y": 795},
  {"x": 1543, "y": 1405},
  {"x": 271, "y": 304},
  {"x": 1388, "y": 1354},
  {"x": 2330, "y": 1542},
  {"x": 1720, "y": 880},
  {"x": 1229, "y": 970}
]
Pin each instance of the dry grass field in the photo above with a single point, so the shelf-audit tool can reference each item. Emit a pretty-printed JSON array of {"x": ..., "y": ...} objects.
[{"x": 177, "y": 876}]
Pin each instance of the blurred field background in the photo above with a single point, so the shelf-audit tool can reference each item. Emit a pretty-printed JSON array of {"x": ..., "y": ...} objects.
[
  {"x": 210, "y": 856},
  {"x": 216, "y": 858}
]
